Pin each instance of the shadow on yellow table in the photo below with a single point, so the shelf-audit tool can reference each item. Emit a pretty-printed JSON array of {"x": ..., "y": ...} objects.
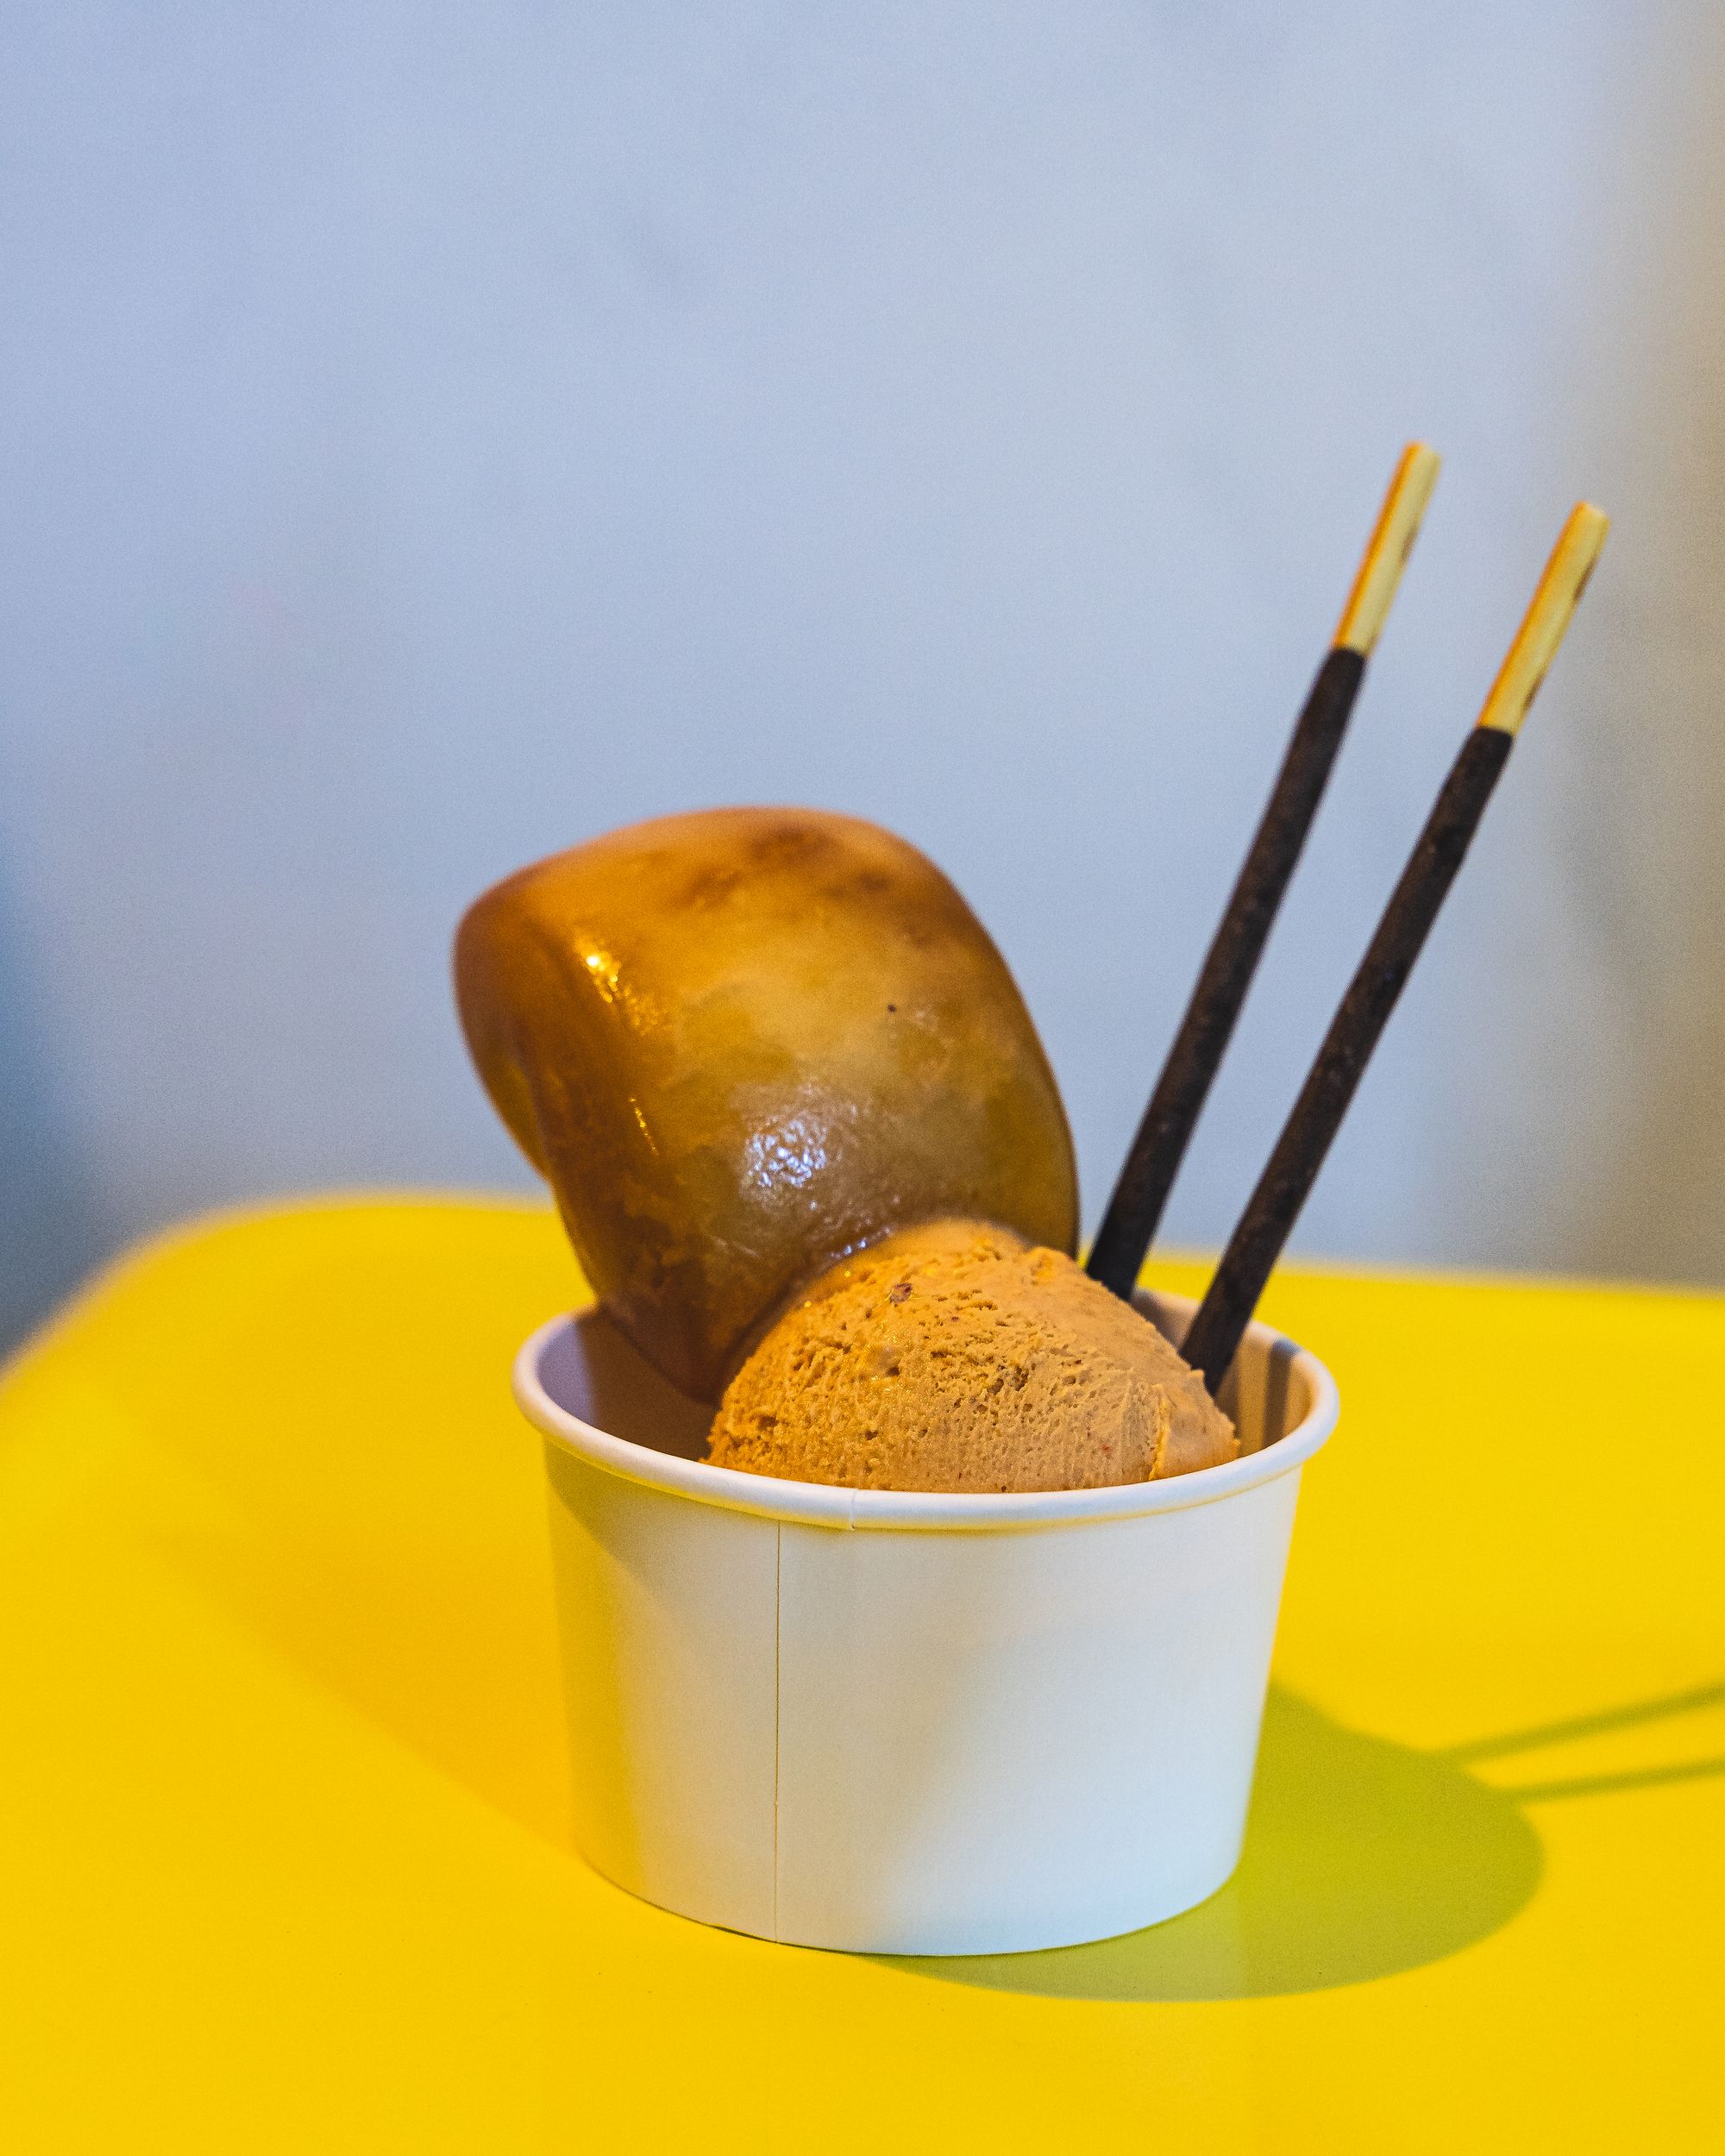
[
  {"x": 1365, "y": 1859},
  {"x": 282, "y": 1813}
]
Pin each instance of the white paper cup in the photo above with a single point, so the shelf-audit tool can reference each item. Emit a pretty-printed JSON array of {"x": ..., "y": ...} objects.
[{"x": 901, "y": 1723}]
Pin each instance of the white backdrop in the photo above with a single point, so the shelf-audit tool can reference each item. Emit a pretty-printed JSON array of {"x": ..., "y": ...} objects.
[{"x": 435, "y": 433}]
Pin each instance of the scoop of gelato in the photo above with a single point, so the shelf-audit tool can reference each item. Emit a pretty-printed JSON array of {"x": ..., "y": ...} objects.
[{"x": 958, "y": 1359}]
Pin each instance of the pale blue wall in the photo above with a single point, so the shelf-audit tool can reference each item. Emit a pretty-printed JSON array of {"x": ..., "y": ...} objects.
[{"x": 435, "y": 433}]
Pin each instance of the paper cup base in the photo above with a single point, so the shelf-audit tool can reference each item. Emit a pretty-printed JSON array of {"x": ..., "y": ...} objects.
[{"x": 904, "y": 1724}]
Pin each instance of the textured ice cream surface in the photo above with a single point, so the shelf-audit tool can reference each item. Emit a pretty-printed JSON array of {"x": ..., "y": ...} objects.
[{"x": 958, "y": 1359}]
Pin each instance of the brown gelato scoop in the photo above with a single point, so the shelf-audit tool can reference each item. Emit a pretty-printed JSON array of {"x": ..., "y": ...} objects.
[{"x": 957, "y": 1359}]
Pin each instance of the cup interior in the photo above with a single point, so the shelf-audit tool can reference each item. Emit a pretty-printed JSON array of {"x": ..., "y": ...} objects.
[{"x": 593, "y": 1372}]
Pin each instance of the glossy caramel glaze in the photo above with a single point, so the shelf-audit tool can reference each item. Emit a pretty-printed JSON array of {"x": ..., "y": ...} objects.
[{"x": 741, "y": 1043}]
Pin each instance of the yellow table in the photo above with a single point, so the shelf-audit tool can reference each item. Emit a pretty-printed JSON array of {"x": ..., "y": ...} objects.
[{"x": 282, "y": 1792}]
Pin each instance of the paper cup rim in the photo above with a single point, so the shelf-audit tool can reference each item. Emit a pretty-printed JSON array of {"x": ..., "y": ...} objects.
[{"x": 830, "y": 1505}]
